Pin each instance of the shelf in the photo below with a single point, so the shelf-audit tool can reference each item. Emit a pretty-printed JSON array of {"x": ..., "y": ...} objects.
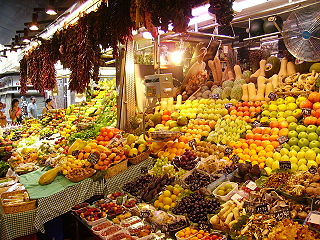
[{"x": 262, "y": 36}]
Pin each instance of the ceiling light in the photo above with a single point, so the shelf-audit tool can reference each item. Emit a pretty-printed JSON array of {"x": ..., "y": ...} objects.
[
  {"x": 147, "y": 35},
  {"x": 51, "y": 10},
  {"x": 34, "y": 24},
  {"x": 239, "y": 6},
  {"x": 25, "y": 38}
]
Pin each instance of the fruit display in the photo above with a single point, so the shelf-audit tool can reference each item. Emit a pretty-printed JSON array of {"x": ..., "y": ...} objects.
[
  {"x": 168, "y": 198},
  {"x": 192, "y": 233},
  {"x": 187, "y": 161},
  {"x": 173, "y": 149},
  {"x": 205, "y": 149},
  {"x": 197, "y": 180},
  {"x": 90, "y": 213},
  {"x": 247, "y": 111}
]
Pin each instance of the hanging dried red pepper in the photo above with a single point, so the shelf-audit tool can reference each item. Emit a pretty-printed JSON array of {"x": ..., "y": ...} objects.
[{"x": 23, "y": 75}]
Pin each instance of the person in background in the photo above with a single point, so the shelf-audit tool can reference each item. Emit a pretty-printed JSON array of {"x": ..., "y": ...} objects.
[
  {"x": 3, "y": 119},
  {"x": 48, "y": 106},
  {"x": 15, "y": 111},
  {"x": 32, "y": 108},
  {"x": 24, "y": 107}
]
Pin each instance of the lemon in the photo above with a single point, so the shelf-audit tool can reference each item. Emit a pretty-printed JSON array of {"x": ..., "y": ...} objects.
[
  {"x": 167, "y": 193},
  {"x": 166, "y": 207},
  {"x": 173, "y": 204},
  {"x": 173, "y": 197},
  {"x": 156, "y": 203},
  {"x": 167, "y": 201},
  {"x": 161, "y": 205},
  {"x": 176, "y": 191}
]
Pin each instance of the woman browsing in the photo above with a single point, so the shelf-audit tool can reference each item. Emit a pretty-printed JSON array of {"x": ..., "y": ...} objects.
[
  {"x": 15, "y": 111},
  {"x": 48, "y": 106}
]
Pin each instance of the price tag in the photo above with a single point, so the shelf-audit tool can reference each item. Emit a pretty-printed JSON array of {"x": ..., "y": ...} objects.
[
  {"x": 272, "y": 96},
  {"x": 283, "y": 213},
  {"x": 144, "y": 170},
  {"x": 192, "y": 144},
  {"x": 283, "y": 139},
  {"x": 278, "y": 148},
  {"x": 251, "y": 185},
  {"x": 256, "y": 124},
  {"x": 228, "y": 151},
  {"x": 120, "y": 200},
  {"x": 236, "y": 197},
  {"x": 261, "y": 209},
  {"x": 285, "y": 164},
  {"x": 145, "y": 213},
  {"x": 215, "y": 96},
  {"x": 228, "y": 105},
  {"x": 313, "y": 170},
  {"x": 94, "y": 158},
  {"x": 235, "y": 158},
  {"x": 315, "y": 205},
  {"x": 75, "y": 153},
  {"x": 306, "y": 111},
  {"x": 314, "y": 218}
]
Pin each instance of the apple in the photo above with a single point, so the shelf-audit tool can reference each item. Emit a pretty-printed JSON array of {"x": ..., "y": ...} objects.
[
  {"x": 294, "y": 167},
  {"x": 287, "y": 113},
  {"x": 275, "y": 165},
  {"x": 300, "y": 155},
  {"x": 265, "y": 113},
  {"x": 277, "y": 156},
  {"x": 268, "y": 170},
  {"x": 280, "y": 101},
  {"x": 292, "y": 106},
  {"x": 301, "y": 128},
  {"x": 292, "y": 153},
  {"x": 303, "y": 142},
  {"x": 292, "y": 126},
  {"x": 284, "y": 151},
  {"x": 312, "y": 136},
  {"x": 316, "y": 149},
  {"x": 316, "y": 106},
  {"x": 293, "y": 159},
  {"x": 302, "y": 161},
  {"x": 302, "y": 135},
  {"x": 285, "y": 158},
  {"x": 290, "y": 99},
  {"x": 286, "y": 146},
  {"x": 318, "y": 130},
  {"x": 314, "y": 144},
  {"x": 280, "y": 115},
  {"x": 297, "y": 113},
  {"x": 318, "y": 158},
  {"x": 272, "y": 108},
  {"x": 293, "y": 141},
  {"x": 312, "y": 163},
  {"x": 293, "y": 133},
  {"x": 310, "y": 155},
  {"x": 311, "y": 128},
  {"x": 291, "y": 119},
  {"x": 304, "y": 149},
  {"x": 282, "y": 107},
  {"x": 303, "y": 167},
  {"x": 300, "y": 99}
]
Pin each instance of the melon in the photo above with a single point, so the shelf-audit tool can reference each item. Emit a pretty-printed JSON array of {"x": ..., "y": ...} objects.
[
  {"x": 315, "y": 67},
  {"x": 272, "y": 66},
  {"x": 256, "y": 27},
  {"x": 269, "y": 26},
  {"x": 302, "y": 66}
]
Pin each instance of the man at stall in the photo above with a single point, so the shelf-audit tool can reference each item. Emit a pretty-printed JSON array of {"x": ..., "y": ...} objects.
[{"x": 32, "y": 108}]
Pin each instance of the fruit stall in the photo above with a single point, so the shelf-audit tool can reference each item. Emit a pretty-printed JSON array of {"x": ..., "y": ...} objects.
[{"x": 217, "y": 144}]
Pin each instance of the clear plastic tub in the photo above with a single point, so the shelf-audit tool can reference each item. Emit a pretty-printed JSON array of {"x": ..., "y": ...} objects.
[
  {"x": 102, "y": 226},
  {"x": 121, "y": 235},
  {"x": 110, "y": 231},
  {"x": 230, "y": 194},
  {"x": 130, "y": 221},
  {"x": 139, "y": 229}
]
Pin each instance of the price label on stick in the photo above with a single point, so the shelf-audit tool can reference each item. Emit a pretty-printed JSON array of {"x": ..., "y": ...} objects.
[
  {"x": 94, "y": 158},
  {"x": 256, "y": 124},
  {"x": 278, "y": 148},
  {"x": 313, "y": 170},
  {"x": 192, "y": 144},
  {"x": 215, "y": 96},
  {"x": 315, "y": 205},
  {"x": 283, "y": 213},
  {"x": 75, "y": 153},
  {"x": 272, "y": 96},
  {"x": 261, "y": 209},
  {"x": 285, "y": 165},
  {"x": 306, "y": 111},
  {"x": 228, "y": 105},
  {"x": 228, "y": 151},
  {"x": 235, "y": 158},
  {"x": 283, "y": 139},
  {"x": 145, "y": 213}
]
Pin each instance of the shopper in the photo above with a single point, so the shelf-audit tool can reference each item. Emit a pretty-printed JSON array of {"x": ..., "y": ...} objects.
[
  {"x": 32, "y": 108},
  {"x": 48, "y": 106},
  {"x": 15, "y": 111},
  {"x": 3, "y": 118}
]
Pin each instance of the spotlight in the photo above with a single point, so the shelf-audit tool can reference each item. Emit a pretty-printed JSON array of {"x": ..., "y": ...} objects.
[
  {"x": 51, "y": 10},
  {"x": 34, "y": 24},
  {"x": 25, "y": 38}
]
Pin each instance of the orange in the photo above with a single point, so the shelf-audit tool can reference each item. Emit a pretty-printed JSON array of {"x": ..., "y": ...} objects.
[
  {"x": 257, "y": 130},
  {"x": 244, "y": 145},
  {"x": 258, "y": 149},
  {"x": 80, "y": 156},
  {"x": 246, "y": 151},
  {"x": 87, "y": 149},
  {"x": 265, "y": 143},
  {"x": 86, "y": 155},
  {"x": 262, "y": 153},
  {"x": 275, "y": 144},
  {"x": 269, "y": 154},
  {"x": 273, "y": 137},
  {"x": 284, "y": 132},
  {"x": 254, "y": 163},
  {"x": 237, "y": 144},
  {"x": 246, "y": 157},
  {"x": 231, "y": 143},
  {"x": 261, "y": 165},
  {"x": 275, "y": 131},
  {"x": 252, "y": 152},
  {"x": 254, "y": 157},
  {"x": 103, "y": 156},
  {"x": 269, "y": 148},
  {"x": 253, "y": 146},
  {"x": 258, "y": 142},
  {"x": 261, "y": 159}
]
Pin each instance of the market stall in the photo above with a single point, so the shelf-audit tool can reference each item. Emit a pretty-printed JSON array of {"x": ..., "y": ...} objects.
[{"x": 202, "y": 135}]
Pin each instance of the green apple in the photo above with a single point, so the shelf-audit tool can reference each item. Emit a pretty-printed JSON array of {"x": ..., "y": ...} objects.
[
  {"x": 281, "y": 119},
  {"x": 280, "y": 115},
  {"x": 292, "y": 126},
  {"x": 285, "y": 158},
  {"x": 310, "y": 155},
  {"x": 302, "y": 161},
  {"x": 277, "y": 156},
  {"x": 300, "y": 155},
  {"x": 284, "y": 151},
  {"x": 275, "y": 165},
  {"x": 312, "y": 136},
  {"x": 297, "y": 113},
  {"x": 293, "y": 141},
  {"x": 301, "y": 128},
  {"x": 318, "y": 130},
  {"x": 273, "y": 108},
  {"x": 264, "y": 120},
  {"x": 303, "y": 168},
  {"x": 300, "y": 99},
  {"x": 282, "y": 107},
  {"x": 318, "y": 158},
  {"x": 286, "y": 146},
  {"x": 293, "y": 159},
  {"x": 269, "y": 162},
  {"x": 280, "y": 101},
  {"x": 291, "y": 119},
  {"x": 265, "y": 113},
  {"x": 292, "y": 106},
  {"x": 303, "y": 135},
  {"x": 296, "y": 148},
  {"x": 290, "y": 99},
  {"x": 316, "y": 149},
  {"x": 304, "y": 149},
  {"x": 287, "y": 113},
  {"x": 292, "y": 134},
  {"x": 312, "y": 163},
  {"x": 314, "y": 144},
  {"x": 293, "y": 153},
  {"x": 311, "y": 128},
  {"x": 294, "y": 167},
  {"x": 273, "y": 119},
  {"x": 268, "y": 170}
]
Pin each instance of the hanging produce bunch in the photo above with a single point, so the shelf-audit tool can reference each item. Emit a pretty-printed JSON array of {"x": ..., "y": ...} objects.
[{"x": 223, "y": 10}]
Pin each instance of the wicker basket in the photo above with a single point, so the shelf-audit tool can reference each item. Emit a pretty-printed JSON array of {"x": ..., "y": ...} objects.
[
  {"x": 116, "y": 169},
  {"x": 19, "y": 207},
  {"x": 140, "y": 158},
  {"x": 80, "y": 178}
]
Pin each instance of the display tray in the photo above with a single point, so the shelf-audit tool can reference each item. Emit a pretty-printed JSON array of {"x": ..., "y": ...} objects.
[{"x": 18, "y": 207}]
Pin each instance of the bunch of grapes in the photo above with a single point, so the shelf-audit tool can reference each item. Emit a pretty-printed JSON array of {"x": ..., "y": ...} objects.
[{"x": 162, "y": 167}]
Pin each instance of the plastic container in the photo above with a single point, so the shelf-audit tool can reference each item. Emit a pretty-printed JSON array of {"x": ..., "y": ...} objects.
[
  {"x": 102, "y": 226},
  {"x": 229, "y": 195},
  {"x": 179, "y": 238},
  {"x": 130, "y": 221},
  {"x": 110, "y": 231},
  {"x": 123, "y": 234},
  {"x": 93, "y": 223},
  {"x": 138, "y": 229}
]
